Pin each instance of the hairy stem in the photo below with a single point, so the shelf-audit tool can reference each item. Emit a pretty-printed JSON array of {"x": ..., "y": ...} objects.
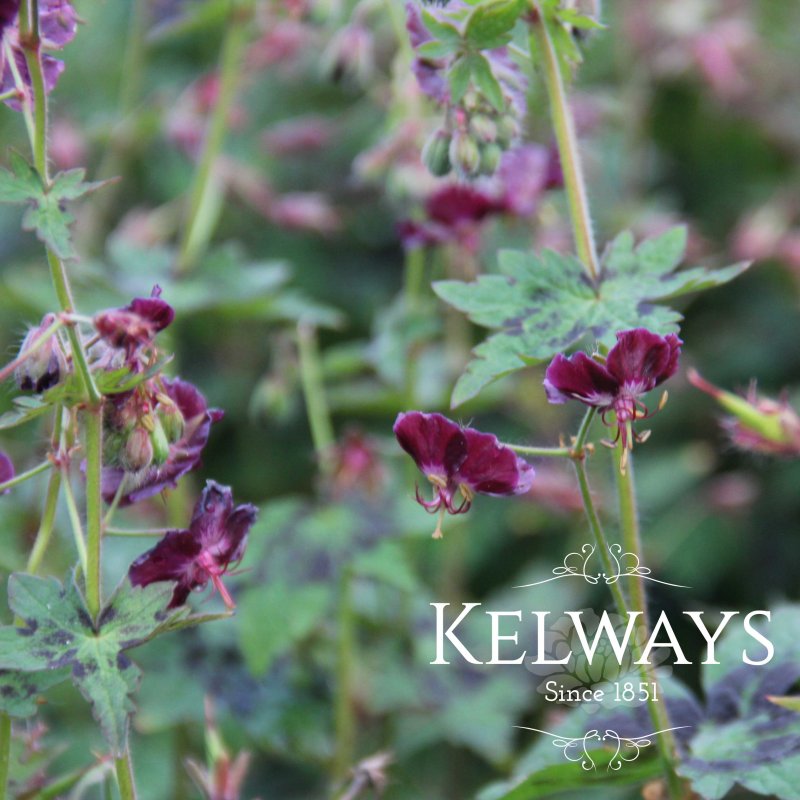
[
  {"x": 567, "y": 140},
  {"x": 93, "y": 446},
  {"x": 543, "y": 452},
  {"x": 24, "y": 476},
  {"x": 319, "y": 418},
  {"x": 345, "y": 723},
  {"x": 75, "y": 520},
  {"x": 125, "y": 779},
  {"x": 199, "y": 221}
]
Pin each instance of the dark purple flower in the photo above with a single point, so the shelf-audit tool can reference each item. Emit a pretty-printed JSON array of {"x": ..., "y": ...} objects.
[
  {"x": 135, "y": 326},
  {"x": 460, "y": 462},
  {"x": 8, "y": 13},
  {"x": 183, "y": 456},
  {"x": 636, "y": 364},
  {"x": 6, "y": 469},
  {"x": 216, "y": 538}
]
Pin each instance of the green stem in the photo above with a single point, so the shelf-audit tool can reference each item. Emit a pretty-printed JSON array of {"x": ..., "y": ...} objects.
[
  {"x": 657, "y": 710},
  {"x": 629, "y": 522},
  {"x": 75, "y": 522},
  {"x": 567, "y": 140},
  {"x": 319, "y": 418},
  {"x": 199, "y": 223},
  {"x": 135, "y": 533},
  {"x": 345, "y": 723},
  {"x": 543, "y": 452},
  {"x": 93, "y": 446},
  {"x": 125, "y": 779},
  {"x": 31, "y": 45},
  {"x": 5, "y": 752},
  {"x": 24, "y": 476},
  {"x": 414, "y": 275},
  {"x": 47, "y": 522}
]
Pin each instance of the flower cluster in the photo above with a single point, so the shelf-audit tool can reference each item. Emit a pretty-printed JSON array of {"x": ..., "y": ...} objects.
[
  {"x": 155, "y": 432},
  {"x": 475, "y": 135},
  {"x": 216, "y": 538},
  {"x": 459, "y": 462},
  {"x": 58, "y": 23}
]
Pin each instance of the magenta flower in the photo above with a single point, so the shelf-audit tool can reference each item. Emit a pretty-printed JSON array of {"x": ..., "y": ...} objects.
[
  {"x": 7, "y": 471},
  {"x": 216, "y": 538},
  {"x": 183, "y": 455},
  {"x": 135, "y": 326},
  {"x": 636, "y": 364},
  {"x": 460, "y": 463}
]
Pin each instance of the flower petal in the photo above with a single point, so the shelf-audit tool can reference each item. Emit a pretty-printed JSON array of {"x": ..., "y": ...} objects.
[
  {"x": 172, "y": 559},
  {"x": 641, "y": 360},
  {"x": 7, "y": 471},
  {"x": 581, "y": 378},
  {"x": 492, "y": 468},
  {"x": 437, "y": 444}
]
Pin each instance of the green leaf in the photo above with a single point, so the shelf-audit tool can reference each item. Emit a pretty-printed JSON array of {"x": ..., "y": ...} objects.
[
  {"x": 458, "y": 78},
  {"x": 572, "y": 776},
  {"x": 45, "y": 214},
  {"x": 437, "y": 49},
  {"x": 20, "y": 691},
  {"x": 57, "y": 635},
  {"x": 25, "y": 409},
  {"x": 544, "y": 304},
  {"x": 441, "y": 30},
  {"x": 491, "y": 23},
  {"x": 487, "y": 82},
  {"x": 275, "y": 617}
]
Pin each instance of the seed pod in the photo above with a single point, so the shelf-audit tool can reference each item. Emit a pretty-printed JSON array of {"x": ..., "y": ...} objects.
[
  {"x": 44, "y": 367},
  {"x": 491, "y": 154},
  {"x": 484, "y": 127},
  {"x": 137, "y": 453},
  {"x": 435, "y": 154},
  {"x": 465, "y": 155}
]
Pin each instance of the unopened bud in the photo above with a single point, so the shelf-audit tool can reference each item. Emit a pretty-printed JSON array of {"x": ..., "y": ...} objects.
[
  {"x": 171, "y": 421},
  {"x": 159, "y": 442},
  {"x": 436, "y": 155},
  {"x": 484, "y": 127},
  {"x": 507, "y": 130},
  {"x": 45, "y": 364},
  {"x": 758, "y": 423},
  {"x": 490, "y": 158},
  {"x": 465, "y": 155},
  {"x": 137, "y": 453}
]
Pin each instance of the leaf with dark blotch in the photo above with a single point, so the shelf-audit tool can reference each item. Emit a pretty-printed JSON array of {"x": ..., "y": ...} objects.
[
  {"x": 57, "y": 636},
  {"x": 20, "y": 691},
  {"x": 540, "y": 305}
]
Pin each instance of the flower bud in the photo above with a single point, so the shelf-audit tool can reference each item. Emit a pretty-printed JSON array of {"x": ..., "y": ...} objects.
[
  {"x": 507, "y": 130},
  {"x": 159, "y": 442},
  {"x": 436, "y": 155},
  {"x": 44, "y": 367},
  {"x": 171, "y": 420},
  {"x": 491, "y": 154},
  {"x": 465, "y": 155},
  {"x": 484, "y": 127},
  {"x": 137, "y": 453},
  {"x": 758, "y": 423}
]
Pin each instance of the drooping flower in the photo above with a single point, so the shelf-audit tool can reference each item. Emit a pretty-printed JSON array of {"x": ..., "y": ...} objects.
[
  {"x": 636, "y": 364},
  {"x": 45, "y": 365},
  {"x": 7, "y": 471},
  {"x": 758, "y": 424},
  {"x": 134, "y": 327},
  {"x": 216, "y": 539},
  {"x": 460, "y": 462},
  {"x": 183, "y": 451}
]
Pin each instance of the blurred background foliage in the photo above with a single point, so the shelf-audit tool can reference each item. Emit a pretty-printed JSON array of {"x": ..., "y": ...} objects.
[{"x": 689, "y": 111}]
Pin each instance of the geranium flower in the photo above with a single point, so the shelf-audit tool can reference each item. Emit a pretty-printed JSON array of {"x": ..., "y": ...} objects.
[
  {"x": 7, "y": 471},
  {"x": 183, "y": 456},
  {"x": 135, "y": 326},
  {"x": 636, "y": 364},
  {"x": 460, "y": 462},
  {"x": 216, "y": 538}
]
